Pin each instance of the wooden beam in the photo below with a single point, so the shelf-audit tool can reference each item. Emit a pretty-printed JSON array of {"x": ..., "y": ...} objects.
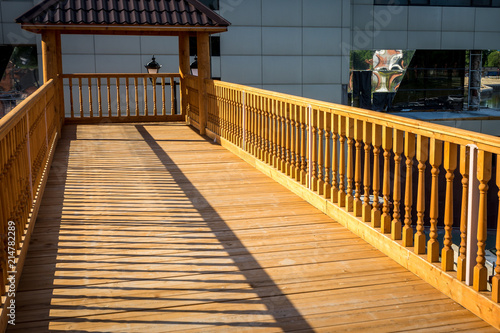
[
  {"x": 184, "y": 69},
  {"x": 203, "y": 73}
]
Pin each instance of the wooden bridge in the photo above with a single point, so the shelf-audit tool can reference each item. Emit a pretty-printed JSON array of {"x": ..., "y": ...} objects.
[
  {"x": 287, "y": 215},
  {"x": 151, "y": 227}
]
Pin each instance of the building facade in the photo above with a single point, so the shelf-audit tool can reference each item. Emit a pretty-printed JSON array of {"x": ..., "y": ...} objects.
[{"x": 300, "y": 47}]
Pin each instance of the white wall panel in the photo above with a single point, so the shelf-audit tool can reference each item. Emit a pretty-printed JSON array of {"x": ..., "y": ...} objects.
[
  {"x": 159, "y": 45},
  {"x": 282, "y": 70},
  {"x": 424, "y": 18},
  {"x": 281, "y": 41},
  {"x": 457, "y": 40},
  {"x": 458, "y": 19},
  {"x": 119, "y": 63},
  {"x": 117, "y": 44},
  {"x": 321, "y": 70},
  {"x": 241, "y": 41},
  {"x": 242, "y": 12},
  {"x": 391, "y": 40},
  {"x": 242, "y": 69},
  {"x": 424, "y": 40},
  {"x": 322, "y": 41},
  {"x": 77, "y": 44},
  {"x": 322, "y": 13},
  {"x": 282, "y": 13},
  {"x": 323, "y": 92}
]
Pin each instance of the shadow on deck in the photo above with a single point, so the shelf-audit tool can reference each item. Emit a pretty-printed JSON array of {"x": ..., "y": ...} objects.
[{"x": 150, "y": 227}]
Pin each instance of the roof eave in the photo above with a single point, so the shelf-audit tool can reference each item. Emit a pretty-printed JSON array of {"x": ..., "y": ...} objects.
[{"x": 92, "y": 29}]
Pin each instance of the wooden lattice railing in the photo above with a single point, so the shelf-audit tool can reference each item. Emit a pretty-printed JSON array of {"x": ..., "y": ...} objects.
[
  {"x": 406, "y": 180},
  {"x": 121, "y": 97},
  {"x": 28, "y": 136}
]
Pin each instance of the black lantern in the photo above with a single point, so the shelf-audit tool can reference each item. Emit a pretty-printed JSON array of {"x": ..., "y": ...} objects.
[
  {"x": 153, "y": 67},
  {"x": 194, "y": 67}
]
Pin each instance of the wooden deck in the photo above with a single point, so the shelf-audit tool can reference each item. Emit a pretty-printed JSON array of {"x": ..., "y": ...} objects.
[{"x": 151, "y": 228}]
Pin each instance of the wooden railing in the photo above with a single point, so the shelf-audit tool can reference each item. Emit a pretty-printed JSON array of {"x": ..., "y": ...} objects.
[
  {"x": 406, "y": 180},
  {"x": 28, "y": 136},
  {"x": 95, "y": 98}
]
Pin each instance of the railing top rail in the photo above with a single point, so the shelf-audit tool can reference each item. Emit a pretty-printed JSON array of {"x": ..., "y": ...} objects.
[
  {"x": 13, "y": 117},
  {"x": 441, "y": 132},
  {"x": 119, "y": 75}
]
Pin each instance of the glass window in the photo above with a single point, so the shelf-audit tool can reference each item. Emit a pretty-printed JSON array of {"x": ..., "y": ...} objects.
[
  {"x": 18, "y": 75},
  {"x": 214, "y": 46}
]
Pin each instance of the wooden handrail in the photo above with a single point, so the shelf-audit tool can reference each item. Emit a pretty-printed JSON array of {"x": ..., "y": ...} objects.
[
  {"x": 440, "y": 132},
  {"x": 121, "y": 97},
  {"x": 28, "y": 136},
  {"x": 394, "y": 186}
]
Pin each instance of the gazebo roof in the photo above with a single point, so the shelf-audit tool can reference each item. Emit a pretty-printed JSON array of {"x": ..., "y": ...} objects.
[{"x": 162, "y": 17}]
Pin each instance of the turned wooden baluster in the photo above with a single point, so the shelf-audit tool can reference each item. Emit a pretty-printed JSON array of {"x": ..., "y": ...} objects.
[
  {"x": 495, "y": 281},
  {"x": 145, "y": 83},
  {"x": 410, "y": 154},
  {"x": 398, "y": 144},
  {"x": 283, "y": 130},
  {"x": 136, "y": 93},
  {"x": 288, "y": 139},
  {"x": 341, "y": 192},
  {"x": 358, "y": 136},
  {"x": 422, "y": 155},
  {"x": 293, "y": 141},
  {"x": 267, "y": 129},
  {"x": 80, "y": 95},
  {"x": 118, "y": 109},
  {"x": 108, "y": 95},
  {"x": 385, "y": 223},
  {"x": 303, "y": 148},
  {"x": 464, "y": 171},
  {"x": 328, "y": 159},
  {"x": 127, "y": 97},
  {"x": 72, "y": 109},
  {"x": 99, "y": 97},
  {"x": 367, "y": 138},
  {"x": 483, "y": 176},
  {"x": 163, "y": 99},
  {"x": 435, "y": 159},
  {"x": 349, "y": 172},
  {"x": 261, "y": 128},
  {"x": 91, "y": 107},
  {"x": 275, "y": 134},
  {"x": 377, "y": 143},
  {"x": 334, "y": 128},
  {"x": 450, "y": 164},
  {"x": 320, "y": 152},
  {"x": 155, "y": 109},
  {"x": 314, "y": 138}
]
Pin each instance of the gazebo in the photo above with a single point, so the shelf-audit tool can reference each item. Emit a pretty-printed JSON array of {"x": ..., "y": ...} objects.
[{"x": 182, "y": 18}]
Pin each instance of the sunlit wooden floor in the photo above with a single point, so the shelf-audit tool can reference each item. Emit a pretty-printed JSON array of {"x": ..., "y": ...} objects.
[{"x": 151, "y": 228}]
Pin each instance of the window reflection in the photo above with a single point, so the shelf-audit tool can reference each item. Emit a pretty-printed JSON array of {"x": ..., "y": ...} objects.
[{"x": 19, "y": 75}]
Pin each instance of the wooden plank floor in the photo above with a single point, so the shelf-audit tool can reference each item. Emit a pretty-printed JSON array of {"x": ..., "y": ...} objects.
[{"x": 151, "y": 228}]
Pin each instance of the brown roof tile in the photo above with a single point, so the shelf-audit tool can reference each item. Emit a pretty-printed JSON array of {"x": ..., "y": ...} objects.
[{"x": 123, "y": 12}]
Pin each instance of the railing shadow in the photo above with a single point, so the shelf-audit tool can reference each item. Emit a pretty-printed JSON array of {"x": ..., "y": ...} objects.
[
  {"x": 208, "y": 215},
  {"x": 102, "y": 270}
]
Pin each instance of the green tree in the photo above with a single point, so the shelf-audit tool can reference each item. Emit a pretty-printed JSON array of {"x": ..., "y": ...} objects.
[{"x": 493, "y": 59}]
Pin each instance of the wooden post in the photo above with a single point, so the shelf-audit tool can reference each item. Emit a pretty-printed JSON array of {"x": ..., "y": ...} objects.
[
  {"x": 450, "y": 164},
  {"x": 435, "y": 159},
  {"x": 52, "y": 66},
  {"x": 203, "y": 73},
  {"x": 184, "y": 69},
  {"x": 483, "y": 175},
  {"x": 464, "y": 171},
  {"x": 495, "y": 281}
]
